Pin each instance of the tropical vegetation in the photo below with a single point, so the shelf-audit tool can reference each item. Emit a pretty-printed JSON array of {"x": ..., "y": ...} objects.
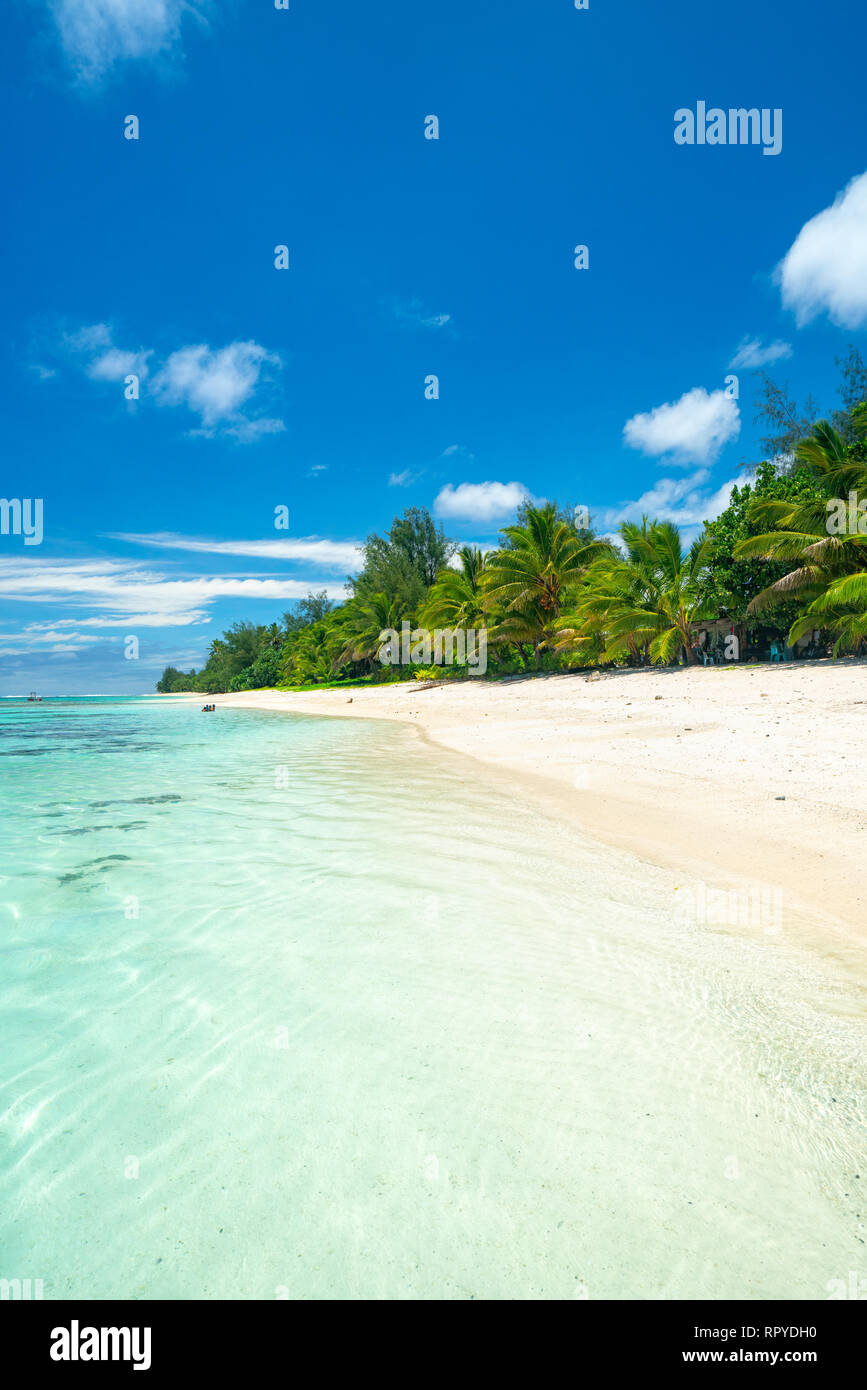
[{"x": 786, "y": 559}]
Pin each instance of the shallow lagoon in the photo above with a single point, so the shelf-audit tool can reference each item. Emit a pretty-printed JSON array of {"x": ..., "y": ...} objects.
[{"x": 295, "y": 1008}]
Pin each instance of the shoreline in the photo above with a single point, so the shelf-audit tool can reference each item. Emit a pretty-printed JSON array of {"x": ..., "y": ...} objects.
[
  {"x": 735, "y": 778},
  {"x": 494, "y": 1039}
]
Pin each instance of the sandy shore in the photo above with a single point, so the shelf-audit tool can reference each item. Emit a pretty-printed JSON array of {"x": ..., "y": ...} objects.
[{"x": 746, "y": 779}]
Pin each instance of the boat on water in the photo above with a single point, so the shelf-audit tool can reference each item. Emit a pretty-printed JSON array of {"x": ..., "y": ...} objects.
[{"x": 34, "y": 698}]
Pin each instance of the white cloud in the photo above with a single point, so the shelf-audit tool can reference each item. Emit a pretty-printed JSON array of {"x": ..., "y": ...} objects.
[
  {"x": 415, "y": 315},
  {"x": 480, "y": 501},
  {"x": 91, "y": 337},
  {"x": 751, "y": 354},
  {"x": 248, "y": 431},
  {"x": 684, "y": 501},
  {"x": 825, "y": 270},
  {"x": 212, "y": 383},
  {"x": 100, "y": 356},
  {"x": 690, "y": 430},
  {"x": 129, "y": 620},
  {"x": 45, "y": 638},
  {"x": 97, "y": 34},
  {"x": 115, "y": 364},
  {"x": 58, "y": 649},
  {"x": 309, "y": 550},
  {"x": 118, "y": 594},
  {"x": 404, "y": 479}
]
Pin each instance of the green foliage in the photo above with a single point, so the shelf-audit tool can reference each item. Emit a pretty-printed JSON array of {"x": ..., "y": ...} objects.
[
  {"x": 173, "y": 680},
  {"x": 313, "y": 609},
  {"x": 824, "y": 571},
  {"x": 457, "y": 598},
  {"x": 431, "y": 673},
  {"x": 853, "y": 393},
  {"x": 529, "y": 580},
  {"x": 640, "y": 604},
  {"x": 404, "y": 564},
  {"x": 251, "y": 656},
  {"x": 554, "y": 597},
  {"x": 787, "y": 423},
  {"x": 734, "y": 583}
]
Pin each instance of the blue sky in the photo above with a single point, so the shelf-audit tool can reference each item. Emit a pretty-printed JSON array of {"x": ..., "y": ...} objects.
[{"x": 408, "y": 257}]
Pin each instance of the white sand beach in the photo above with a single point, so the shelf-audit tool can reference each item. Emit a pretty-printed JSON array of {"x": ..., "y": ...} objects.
[{"x": 738, "y": 777}]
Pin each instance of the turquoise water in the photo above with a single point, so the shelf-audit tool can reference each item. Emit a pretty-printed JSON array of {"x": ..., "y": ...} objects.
[{"x": 296, "y": 1007}]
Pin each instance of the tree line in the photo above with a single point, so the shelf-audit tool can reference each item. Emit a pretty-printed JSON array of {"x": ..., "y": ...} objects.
[{"x": 556, "y": 596}]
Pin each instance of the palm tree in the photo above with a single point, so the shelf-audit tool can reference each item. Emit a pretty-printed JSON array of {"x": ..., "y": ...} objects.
[
  {"x": 616, "y": 583},
  {"x": 643, "y": 603},
  {"x": 530, "y": 580},
  {"x": 829, "y": 574},
  {"x": 683, "y": 600},
  {"x": 312, "y": 656},
  {"x": 457, "y": 599},
  {"x": 362, "y": 622},
  {"x": 842, "y": 609}
]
